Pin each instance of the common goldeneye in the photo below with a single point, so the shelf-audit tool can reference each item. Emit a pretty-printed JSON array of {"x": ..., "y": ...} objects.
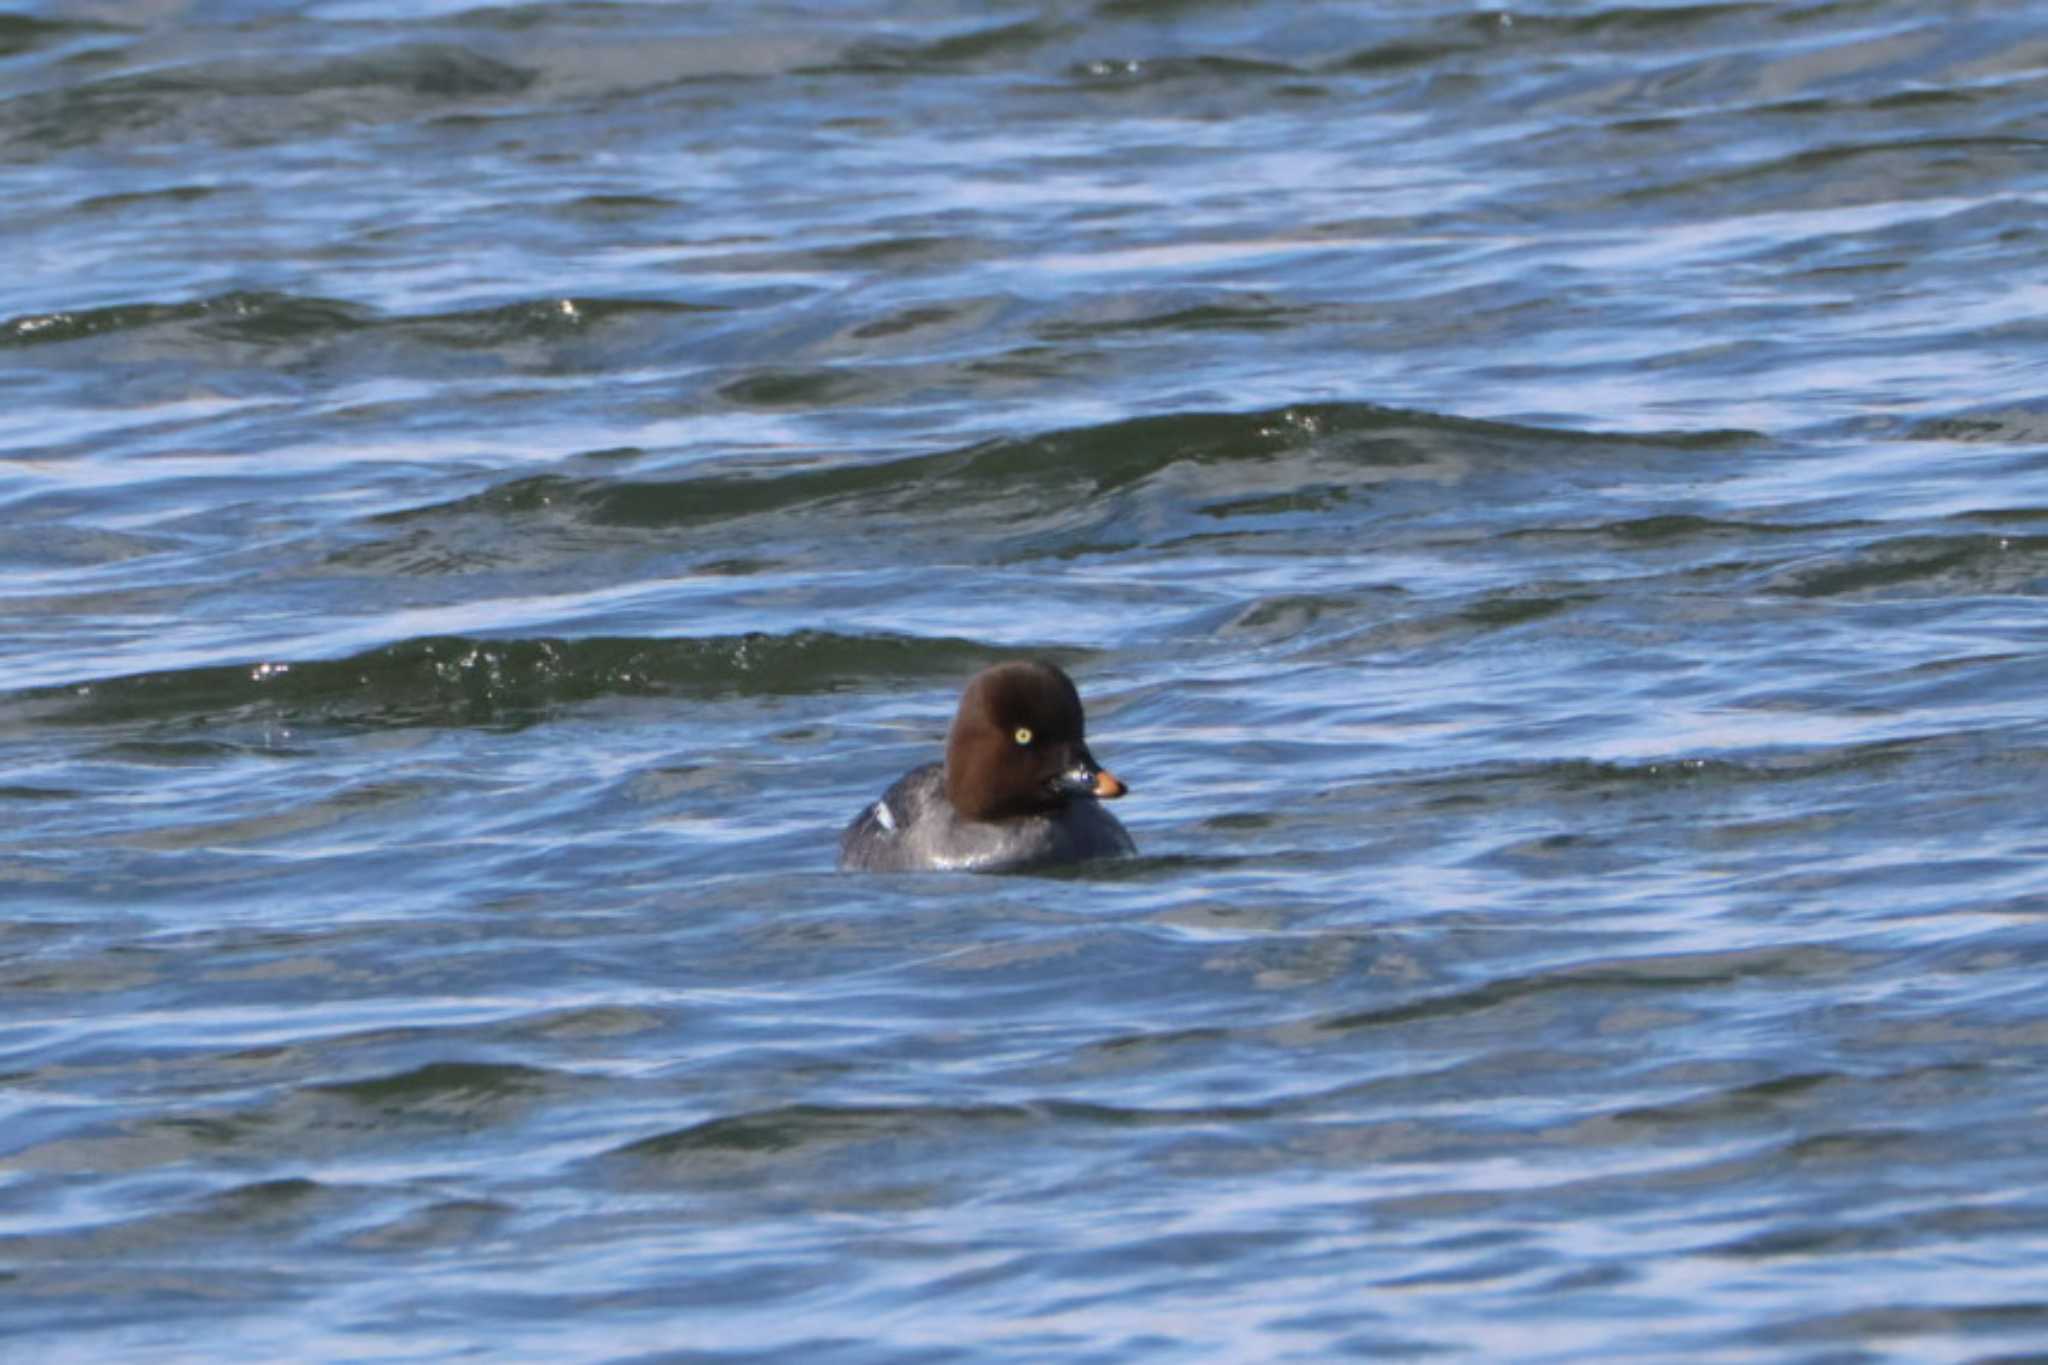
[{"x": 1018, "y": 788}]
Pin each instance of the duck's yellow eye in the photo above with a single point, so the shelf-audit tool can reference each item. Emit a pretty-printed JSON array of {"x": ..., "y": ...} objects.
[{"x": 1023, "y": 735}]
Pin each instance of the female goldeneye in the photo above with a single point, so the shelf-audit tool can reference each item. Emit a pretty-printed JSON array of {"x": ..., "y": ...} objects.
[{"x": 1018, "y": 788}]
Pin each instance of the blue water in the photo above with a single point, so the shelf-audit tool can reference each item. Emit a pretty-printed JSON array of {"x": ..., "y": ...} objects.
[{"x": 1545, "y": 507}]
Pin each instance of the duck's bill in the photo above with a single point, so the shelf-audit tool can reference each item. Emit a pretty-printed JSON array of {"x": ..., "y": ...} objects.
[{"x": 1088, "y": 780}]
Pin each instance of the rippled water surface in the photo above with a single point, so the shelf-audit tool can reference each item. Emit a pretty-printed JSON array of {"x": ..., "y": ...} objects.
[{"x": 1548, "y": 507}]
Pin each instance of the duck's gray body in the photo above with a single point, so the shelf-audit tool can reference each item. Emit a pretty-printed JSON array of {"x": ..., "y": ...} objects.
[{"x": 915, "y": 828}]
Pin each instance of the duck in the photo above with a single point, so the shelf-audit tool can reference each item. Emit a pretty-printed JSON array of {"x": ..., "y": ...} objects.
[{"x": 1018, "y": 788}]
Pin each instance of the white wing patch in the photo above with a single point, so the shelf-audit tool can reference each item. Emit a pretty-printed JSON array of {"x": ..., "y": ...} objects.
[{"x": 885, "y": 817}]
